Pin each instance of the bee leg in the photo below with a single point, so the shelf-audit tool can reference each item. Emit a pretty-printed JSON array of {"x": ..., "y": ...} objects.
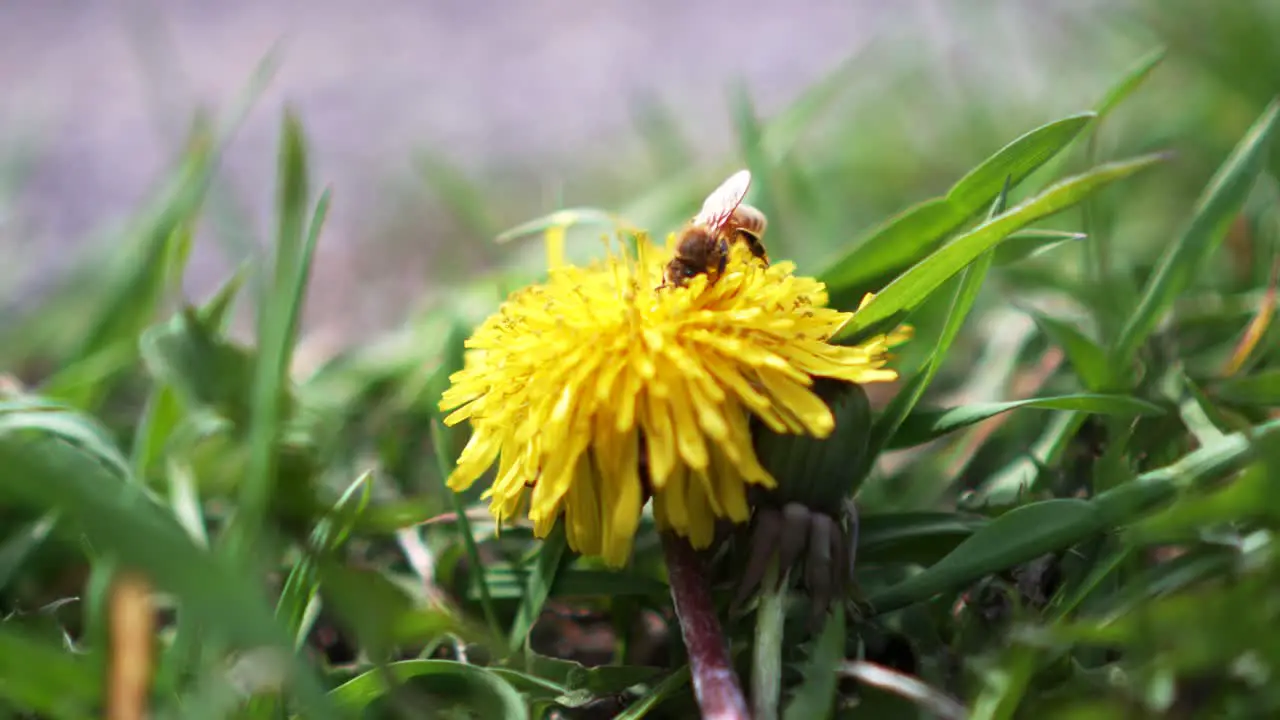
[{"x": 724, "y": 257}]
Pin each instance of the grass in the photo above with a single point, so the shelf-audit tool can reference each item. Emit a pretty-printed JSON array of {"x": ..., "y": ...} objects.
[{"x": 1066, "y": 502}]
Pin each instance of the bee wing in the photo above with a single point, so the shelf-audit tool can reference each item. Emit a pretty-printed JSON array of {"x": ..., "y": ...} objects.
[{"x": 720, "y": 204}]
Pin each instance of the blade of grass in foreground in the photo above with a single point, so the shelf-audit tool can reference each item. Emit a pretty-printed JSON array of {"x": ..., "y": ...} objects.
[
  {"x": 910, "y": 235},
  {"x": 922, "y": 426},
  {"x": 913, "y": 286},
  {"x": 886, "y": 426},
  {"x": 1030, "y": 531},
  {"x": 428, "y": 684},
  {"x": 479, "y": 573},
  {"x": 120, "y": 518},
  {"x": 1215, "y": 209},
  {"x": 277, "y": 330}
]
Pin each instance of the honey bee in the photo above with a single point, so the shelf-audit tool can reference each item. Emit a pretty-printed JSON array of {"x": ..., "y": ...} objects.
[{"x": 702, "y": 245}]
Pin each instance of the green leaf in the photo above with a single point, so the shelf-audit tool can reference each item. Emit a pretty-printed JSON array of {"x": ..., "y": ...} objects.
[
  {"x": 1005, "y": 688},
  {"x": 913, "y": 537},
  {"x": 47, "y": 681},
  {"x": 1029, "y": 531},
  {"x": 886, "y": 426},
  {"x": 188, "y": 354},
  {"x": 329, "y": 534},
  {"x": 19, "y": 546},
  {"x": 1031, "y": 243},
  {"x": 160, "y": 418},
  {"x": 1016, "y": 161},
  {"x": 155, "y": 263},
  {"x": 479, "y": 581},
  {"x": 591, "y": 681},
  {"x": 663, "y": 690},
  {"x": 915, "y": 285},
  {"x": 551, "y": 557},
  {"x": 381, "y": 613},
  {"x": 1259, "y": 389},
  {"x": 1130, "y": 81},
  {"x": 815, "y": 698},
  {"x": 23, "y": 418},
  {"x": 277, "y": 332},
  {"x": 1017, "y": 536},
  {"x": 922, "y": 426},
  {"x": 1217, "y": 206},
  {"x": 1088, "y": 358},
  {"x": 909, "y": 236},
  {"x": 121, "y": 519},
  {"x": 433, "y": 688}
]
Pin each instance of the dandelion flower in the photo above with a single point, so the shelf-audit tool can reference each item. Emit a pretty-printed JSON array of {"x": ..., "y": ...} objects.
[{"x": 597, "y": 389}]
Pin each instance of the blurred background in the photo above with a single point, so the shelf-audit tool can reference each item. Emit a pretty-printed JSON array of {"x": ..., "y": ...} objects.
[
  {"x": 439, "y": 126},
  {"x": 412, "y": 107}
]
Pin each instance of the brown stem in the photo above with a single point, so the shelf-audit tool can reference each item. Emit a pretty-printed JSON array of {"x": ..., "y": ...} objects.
[
  {"x": 714, "y": 682},
  {"x": 131, "y": 660}
]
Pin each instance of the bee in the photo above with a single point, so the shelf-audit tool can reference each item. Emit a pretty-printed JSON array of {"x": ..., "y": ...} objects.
[{"x": 702, "y": 245}]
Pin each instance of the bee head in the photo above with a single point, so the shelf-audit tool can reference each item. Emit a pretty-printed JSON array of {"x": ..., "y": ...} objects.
[
  {"x": 698, "y": 249},
  {"x": 696, "y": 253}
]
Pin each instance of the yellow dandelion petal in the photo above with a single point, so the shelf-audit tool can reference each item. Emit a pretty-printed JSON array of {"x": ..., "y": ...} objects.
[
  {"x": 621, "y": 499},
  {"x": 583, "y": 509},
  {"x": 480, "y": 452},
  {"x": 727, "y": 491},
  {"x": 810, "y": 412},
  {"x": 572, "y": 380},
  {"x": 660, "y": 439}
]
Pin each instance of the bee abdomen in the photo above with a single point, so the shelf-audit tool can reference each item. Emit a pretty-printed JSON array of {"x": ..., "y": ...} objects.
[{"x": 750, "y": 220}]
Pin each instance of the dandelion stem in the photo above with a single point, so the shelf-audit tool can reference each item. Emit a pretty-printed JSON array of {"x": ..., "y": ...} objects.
[{"x": 714, "y": 682}]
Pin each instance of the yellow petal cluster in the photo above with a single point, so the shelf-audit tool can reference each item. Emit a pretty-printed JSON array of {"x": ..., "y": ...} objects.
[{"x": 598, "y": 389}]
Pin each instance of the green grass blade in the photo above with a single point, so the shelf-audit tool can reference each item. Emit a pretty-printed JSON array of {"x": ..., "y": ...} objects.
[
  {"x": 121, "y": 519},
  {"x": 1087, "y": 358},
  {"x": 1031, "y": 243},
  {"x": 1029, "y": 531},
  {"x": 479, "y": 573},
  {"x": 1217, "y": 206},
  {"x": 1015, "y": 161},
  {"x": 277, "y": 329},
  {"x": 1260, "y": 389},
  {"x": 19, "y": 546},
  {"x": 909, "y": 236},
  {"x": 552, "y": 557},
  {"x": 923, "y": 426},
  {"x": 650, "y": 700},
  {"x": 432, "y": 688},
  {"x": 886, "y": 425},
  {"x": 46, "y": 680},
  {"x": 915, "y": 285},
  {"x": 75, "y": 429},
  {"x": 1130, "y": 81},
  {"x": 156, "y": 262},
  {"x": 913, "y": 537}
]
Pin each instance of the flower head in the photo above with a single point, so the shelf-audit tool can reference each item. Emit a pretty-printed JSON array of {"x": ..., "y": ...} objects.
[{"x": 598, "y": 388}]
